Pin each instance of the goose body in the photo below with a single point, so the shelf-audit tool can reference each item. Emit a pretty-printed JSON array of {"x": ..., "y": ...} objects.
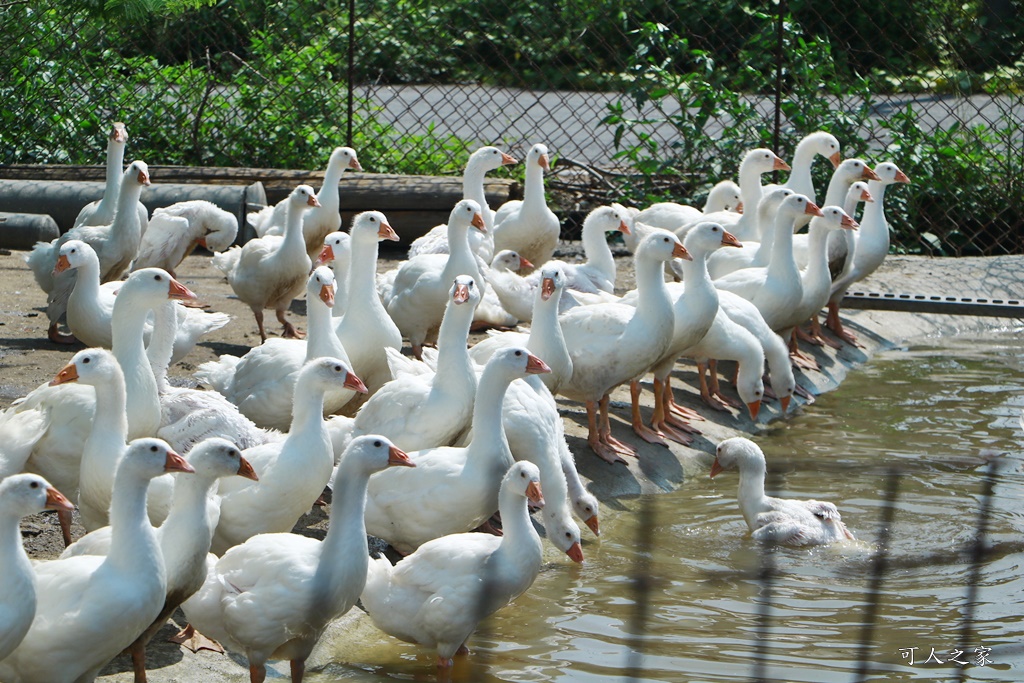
[
  {"x": 528, "y": 226},
  {"x": 514, "y": 292},
  {"x": 755, "y": 254},
  {"x": 597, "y": 273},
  {"x": 273, "y": 596},
  {"x": 438, "y": 595},
  {"x": 755, "y": 163},
  {"x": 175, "y": 230},
  {"x": 318, "y": 220},
  {"x": 724, "y": 196},
  {"x": 776, "y": 520}
]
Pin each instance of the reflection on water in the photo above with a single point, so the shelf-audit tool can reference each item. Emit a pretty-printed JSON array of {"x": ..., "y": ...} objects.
[{"x": 937, "y": 415}]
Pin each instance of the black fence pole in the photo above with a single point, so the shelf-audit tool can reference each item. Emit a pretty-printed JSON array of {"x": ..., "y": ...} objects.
[
  {"x": 351, "y": 69},
  {"x": 780, "y": 21}
]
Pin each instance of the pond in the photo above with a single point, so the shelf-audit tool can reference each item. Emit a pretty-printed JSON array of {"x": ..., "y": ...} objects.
[{"x": 940, "y": 416}]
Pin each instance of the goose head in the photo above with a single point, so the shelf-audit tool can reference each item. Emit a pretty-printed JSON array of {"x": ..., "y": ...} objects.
[
  {"x": 662, "y": 245},
  {"x": 628, "y": 216},
  {"x": 613, "y": 218},
  {"x": 565, "y": 536},
  {"x": 138, "y": 171},
  {"x": 118, "y": 133},
  {"x": 737, "y": 453},
  {"x": 508, "y": 260},
  {"x": 706, "y": 237},
  {"x": 222, "y": 230},
  {"x": 148, "y": 458},
  {"x": 827, "y": 146},
  {"x": 27, "y": 494},
  {"x": 538, "y": 155},
  {"x": 90, "y": 366},
  {"x": 74, "y": 254},
  {"x": 372, "y": 226},
  {"x": 855, "y": 169},
  {"x": 724, "y": 196},
  {"x": 523, "y": 478},
  {"x": 322, "y": 374},
  {"x": 336, "y": 244},
  {"x": 464, "y": 290},
  {"x": 834, "y": 218},
  {"x": 585, "y": 506},
  {"x": 858, "y": 193},
  {"x": 321, "y": 286},
  {"x": 465, "y": 214},
  {"x": 151, "y": 287},
  {"x": 303, "y": 196},
  {"x": 215, "y": 458},
  {"x": 889, "y": 173},
  {"x": 373, "y": 453},
  {"x": 750, "y": 387},
  {"x": 515, "y": 362},
  {"x": 764, "y": 160},
  {"x": 552, "y": 282},
  {"x": 344, "y": 157},
  {"x": 796, "y": 205},
  {"x": 489, "y": 158}
]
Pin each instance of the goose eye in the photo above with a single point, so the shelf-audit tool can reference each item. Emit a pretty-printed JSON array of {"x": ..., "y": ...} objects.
[
  {"x": 757, "y": 393},
  {"x": 337, "y": 368},
  {"x": 158, "y": 278},
  {"x": 34, "y": 484},
  {"x": 519, "y": 353},
  {"x": 86, "y": 360},
  {"x": 714, "y": 229},
  {"x": 373, "y": 219},
  {"x": 153, "y": 449},
  {"x": 377, "y": 444},
  {"x": 523, "y": 475},
  {"x": 568, "y": 534}
]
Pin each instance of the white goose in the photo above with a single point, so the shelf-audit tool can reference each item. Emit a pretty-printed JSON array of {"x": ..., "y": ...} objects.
[
  {"x": 175, "y": 230},
  {"x": 456, "y": 488},
  {"x": 776, "y": 520},
  {"x": 20, "y": 495},
  {"x": 418, "y": 296},
  {"x": 612, "y": 343},
  {"x": 273, "y": 596},
  {"x": 514, "y": 292},
  {"x": 438, "y": 595},
  {"x": 810, "y": 147},
  {"x": 480, "y": 162},
  {"x": 337, "y": 253},
  {"x": 426, "y": 408},
  {"x": 322, "y": 218},
  {"x": 755, "y": 163},
  {"x": 184, "y": 537},
  {"x": 261, "y": 383},
  {"x": 597, "y": 273},
  {"x": 366, "y": 329},
  {"x": 90, "y": 307},
  {"x": 528, "y": 226},
  {"x": 101, "y": 211},
  {"x": 19, "y": 433},
  {"x": 91, "y": 608},
  {"x": 872, "y": 245},
  {"x": 292, "y": 472},
  {"x": 723, "y": 196},
  {"x": 754, "y": 254},
  {"x": 116, "y": 244},
  {"x": 269, "y": 272}
]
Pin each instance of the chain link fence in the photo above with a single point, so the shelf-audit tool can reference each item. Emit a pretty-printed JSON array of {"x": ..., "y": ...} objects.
[{"x": 639, "y": 101}]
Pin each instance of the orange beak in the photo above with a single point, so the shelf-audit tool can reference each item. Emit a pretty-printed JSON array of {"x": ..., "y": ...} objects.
[
  {"x": 593, "y": 524},
  {"x": 813, "y": 209},
  {"x": 754, "y": 407},
  {"x": 120, "y": 133},
  {"x": 180, "y": 291},
  {"x": 835, "y": 159},
  {"x": 396, "y": 456},
  {"x": 784, "y": 401},
  {"x": 246, "y": 470},
  {"x": 69, "y": 373},
  {"x": 623, "y": 228},
  {"x": 478, "y": 223},
  {"x": 176, "y": 463},
  {"x": 535, "y": 366},
  {"x": 544, "y": 163},
  {"x": 534, "y": 494},
  {"x": 679, "y": 251},
  {"x": 202, "y": 241},
  {"x": 355, "y": 384},
  {"x": 62, "y": 264},
  {"x": 869, "y": 174},
  {"x": 313, "y": 201},
  {"x": 461, "y": 294},
  {"x": 355, "y": 165},
  {"x": 547, "y": 288},
  {"x": 143, "y": 178},
  {"x": 901, "y": 177},
  {"x": 55, "y": 500},
  {"x": 525, "y": 263},
  {"x": 729, "y": 240},
  {"x": 508, "y": 159},
  {"x": 575, "y": 553},
  {"x": 327, "y": 295},
  {"x": 326, "y": 255},
  {"x": 849, "y": 223},
  {"x": 716, "y": 467},
  {"x": 386, "y": 232},
  {"x": 865, "y": 196},
  {"x": 739, "y": 208},
  {"x": 780, "y": 165}
]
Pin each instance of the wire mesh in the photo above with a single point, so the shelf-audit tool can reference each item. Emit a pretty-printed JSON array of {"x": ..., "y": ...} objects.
[{"x": 640, "y": 101}]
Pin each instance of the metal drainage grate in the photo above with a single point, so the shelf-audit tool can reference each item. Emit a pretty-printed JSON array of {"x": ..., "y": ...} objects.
[{"x": 932, "y": 303}]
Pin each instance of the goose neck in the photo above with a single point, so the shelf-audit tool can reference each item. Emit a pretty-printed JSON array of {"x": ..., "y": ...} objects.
[
  {"x": 782, "y": 261},
  {"x": 817, "y": 248},
  {"x": 188, "y": 507},
  {"x": 127, "y": 217},
  {"x": 131, "y": 535},
  {"x": 115, "y": 168},
  {"x": 473, "y": 187},
  {"x": 750, "y": 183},
  {"x": 652, "y": 295},
  {"x": 12, "y": 551},
  {"x": 453, "y": 359},
  {"x": 321, "y": 339},
  {"x": 294, "y": 241},
  {"x": 461, "y": 260},
  {"x": 362, "y": 275},
  {"x": 128, "y": 347},
  {"x": 161, "y": 342},
  {"x": 838, "y": 187},
  {"x": 546, "y": 340},
  {"x": 520, "y": 546},
  {"x": 329, "y": 195},
  {"x": 751, "y": 490},
  {"x": 87, "y": 281},
  {"x": 307, "y": 410},
  {"x": 873, "y": 220},
  {"x": 533, "y": 187},
  {"x": 598, "y": 253},
  {"x": 487, "y": 422},
  {"x": 800, "y": 177}
]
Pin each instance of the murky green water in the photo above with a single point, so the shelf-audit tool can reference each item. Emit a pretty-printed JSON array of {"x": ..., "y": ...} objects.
[{"x": 938, "y": 414}]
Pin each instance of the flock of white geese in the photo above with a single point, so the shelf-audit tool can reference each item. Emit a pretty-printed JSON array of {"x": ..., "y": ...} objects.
[{"x": 419, "y": 451}]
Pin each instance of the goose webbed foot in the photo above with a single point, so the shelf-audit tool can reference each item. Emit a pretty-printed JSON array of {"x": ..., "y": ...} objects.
[{"x": 58, "y": 337}]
